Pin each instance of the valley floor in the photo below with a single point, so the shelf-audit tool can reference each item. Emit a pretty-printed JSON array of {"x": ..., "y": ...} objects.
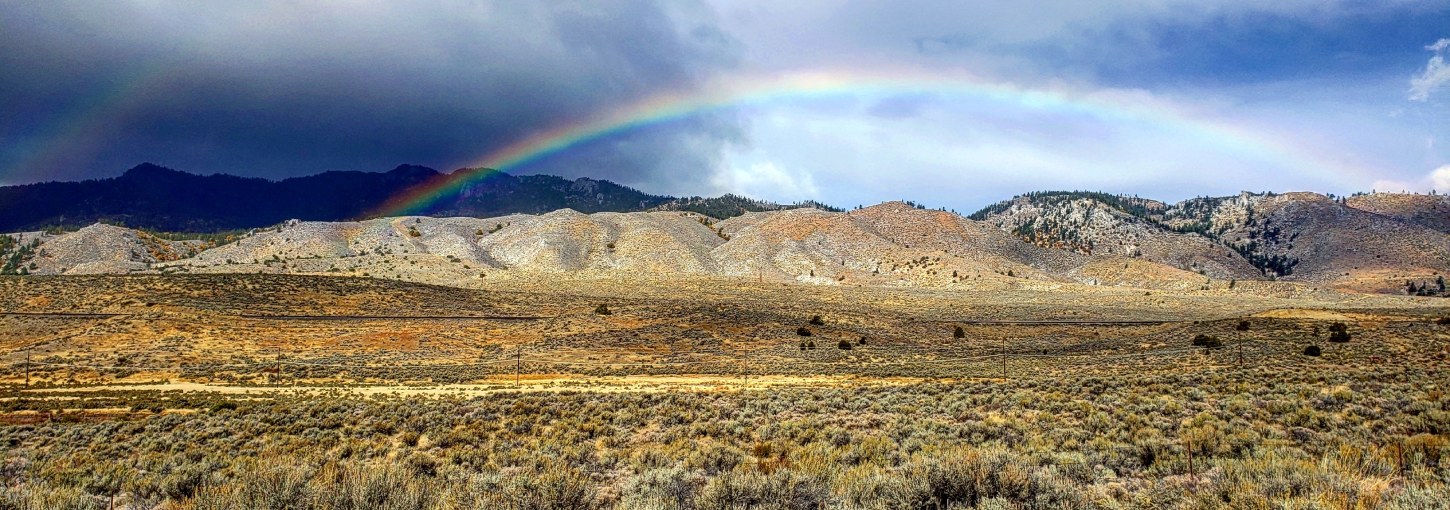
[{"x": 257, "y": 391}]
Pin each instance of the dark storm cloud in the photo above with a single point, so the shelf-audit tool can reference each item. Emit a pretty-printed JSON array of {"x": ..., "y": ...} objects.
[
  {"x": 285, "y": 88},
  {"x": 1248, "y": 47}
]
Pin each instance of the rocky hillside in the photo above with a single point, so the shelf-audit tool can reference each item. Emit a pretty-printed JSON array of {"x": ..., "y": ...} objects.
[
  {"x": 1370, "y": 242},
  {"x": 1098, "y": 224},
  {"x": 888, "y": 244},
  {"x": 1311, "y": 237},
  {"x": 1039, "y": 241},
  {"x": 100, "y": 249},
  {"x": 1432, "y": 211},
  {"x": 650, "y": 243}
]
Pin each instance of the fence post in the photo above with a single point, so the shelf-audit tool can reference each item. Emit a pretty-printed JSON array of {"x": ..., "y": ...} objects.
[
  {"x": 1400, "y": 458},
  {"x": 745, "y": 373},
  {"x": 1004, "y": 359},
  {"x": 1192, "y": 475},
  {"x": 518, "y": 363},
  {"x": 27, "y": 366}
]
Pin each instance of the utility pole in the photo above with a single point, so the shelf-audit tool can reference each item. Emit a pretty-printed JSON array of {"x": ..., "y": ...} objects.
[{"x": 518, "y": 362}]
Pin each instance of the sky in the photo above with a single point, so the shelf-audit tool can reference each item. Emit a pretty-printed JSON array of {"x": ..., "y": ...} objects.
[{"x": 952, "y": 104}]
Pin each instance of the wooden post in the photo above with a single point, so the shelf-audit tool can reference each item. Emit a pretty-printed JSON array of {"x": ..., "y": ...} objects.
[
  {"x": 745, "y": 373},
  {"x": 1192, "y": 475},
  {"x": 518, "y": 363},
  {"x": 1004, "y": 359},
  {"x": 1400, "y": 458},
  {"x": 1241, "y": 353},
  {"x": 27, "y": 366}
]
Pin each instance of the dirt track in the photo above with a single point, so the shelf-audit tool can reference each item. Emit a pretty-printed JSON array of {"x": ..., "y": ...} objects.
[{"x": 528, "y": 383}]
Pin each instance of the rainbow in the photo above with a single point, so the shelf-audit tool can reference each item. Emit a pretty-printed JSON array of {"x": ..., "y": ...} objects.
[{"x": 726, "y": 96}]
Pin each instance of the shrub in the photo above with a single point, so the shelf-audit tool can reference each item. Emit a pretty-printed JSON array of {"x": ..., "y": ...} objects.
[
  {"x": 1443, "y": 321},
  {"x": 802, "y": 331},
  {"x": 753, "y": 489},
  {"x": 844, "y": 345},
  {"x": 1312, "y": 350},
  {"x": 1338, "y": 332},
  {"x": 1243, "y": 326},
  {"x": 422, "y": 464},
  {"x": 959, "y": 332},
  {"x": 862, "y": 341},
  {"x": 1206, "y": 341},
  {"x": 817, "y": 321},
  {"x": 602, "y": 310}
]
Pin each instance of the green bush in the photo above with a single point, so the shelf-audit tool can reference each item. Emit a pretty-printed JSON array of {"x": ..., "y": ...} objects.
[
  {"x": 1207, "y": 341},
  {"x": 1312, "y": 350}
]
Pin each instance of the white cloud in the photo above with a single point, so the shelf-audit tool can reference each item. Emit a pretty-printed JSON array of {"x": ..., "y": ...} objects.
[
  {"x": 1437, "y": 180},
  {"x": 1440, "y": 178},
  {"x": 962, "y": 153},
  {"x": 1435, "y": 75},
  {"x": 766, "y": 180}
]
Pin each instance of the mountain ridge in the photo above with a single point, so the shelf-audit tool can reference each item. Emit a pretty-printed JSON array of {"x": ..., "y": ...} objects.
[
  {"x": 535, "y": 223},
  {"x": 1300, "y": 236},
  {"x": 154, "y": 197},
  {"x": 890, "y": 244}
]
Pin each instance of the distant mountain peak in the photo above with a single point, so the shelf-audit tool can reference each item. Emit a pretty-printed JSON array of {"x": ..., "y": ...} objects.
[
  {"x": 413, "y": 171},
  {"x": 150, "y": 170}
]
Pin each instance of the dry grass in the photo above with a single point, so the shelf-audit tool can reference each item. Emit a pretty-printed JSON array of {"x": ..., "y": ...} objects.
[{"x": 697, "y": 395}]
